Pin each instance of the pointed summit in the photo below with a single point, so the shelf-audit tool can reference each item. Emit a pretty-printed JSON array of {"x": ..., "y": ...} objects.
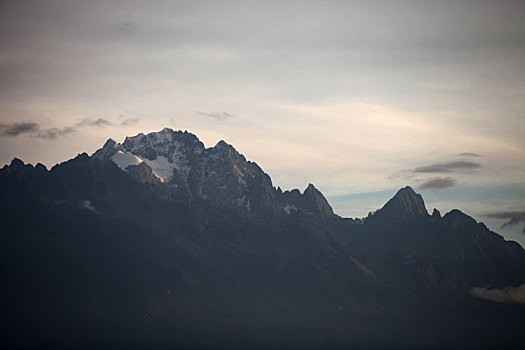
[
  {"x": 406, "y": 205},
  {"x": 223, "y": 144},
  {"x": 314, "y": 201},
  {"x": 16, "y": 163},
  {"x": 407, "y": 200},
  {"x": 108, "y": 150},
  {"x": 223, "y": 148}
]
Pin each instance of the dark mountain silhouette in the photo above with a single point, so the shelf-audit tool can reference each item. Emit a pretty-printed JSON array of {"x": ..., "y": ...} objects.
[{"x": 160, "y": 242}]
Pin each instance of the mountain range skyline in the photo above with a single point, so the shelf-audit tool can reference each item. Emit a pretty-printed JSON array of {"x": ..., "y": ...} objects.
[
  {"x": 360, "y": 98},
  {"x": 262, "y": 174},
  {"x": 363, "y": 204},
  {"x": 159, "y": 242}
]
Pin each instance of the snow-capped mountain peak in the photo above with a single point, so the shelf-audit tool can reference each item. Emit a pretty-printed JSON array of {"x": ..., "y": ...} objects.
[{"x": 217, "y": 174}]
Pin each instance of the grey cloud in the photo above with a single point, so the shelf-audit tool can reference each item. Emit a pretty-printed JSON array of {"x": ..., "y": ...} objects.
[
  {"x": 129, "y": 121},
  {"x": 33, "y": 128},
  {"x": 16, "y": 129},
  {"x": 100, "y": 122},
  {"x": 513, "y": 217},
  {"x": 128, "y": 28},
  {"x": 218, "y": 115},
  {"x": 403, "y": 174},
  {"x": 508, "y": 294},
  {"x": 469, "y": 154},
  {"x": 448, "y": 167},
  {"x": 438, "y": 183},
  {"x": 54, "y": 133}
]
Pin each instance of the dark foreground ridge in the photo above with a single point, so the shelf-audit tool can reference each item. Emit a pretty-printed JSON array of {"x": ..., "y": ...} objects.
[{"x": 159, "y": 242}]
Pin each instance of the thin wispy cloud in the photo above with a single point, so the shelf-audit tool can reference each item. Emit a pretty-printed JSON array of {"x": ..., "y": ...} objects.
[
  {"x": 129, "y": 121},
  {"x": 438, "y": 183},
  {"x": 16, "y": 129},
  {"x": 218, "y": 115},
  {"x": 448, "y": 167},
  {"x": 421, "y": 174},
  {"x": 100, "y": 122},
  {"x": 513, "y": 218},
  {"x": 54, "y": 133},
  {"x": 470, "y": 154}
]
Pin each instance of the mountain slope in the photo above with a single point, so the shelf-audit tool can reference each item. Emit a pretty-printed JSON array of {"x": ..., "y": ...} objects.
[{"x": 159, "y": 241}]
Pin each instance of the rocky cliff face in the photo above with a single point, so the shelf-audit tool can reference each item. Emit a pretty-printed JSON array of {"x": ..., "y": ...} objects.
[{"x": 219, "y": 174}]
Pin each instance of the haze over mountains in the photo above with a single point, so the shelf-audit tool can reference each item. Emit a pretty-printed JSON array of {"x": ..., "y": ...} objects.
[{"x": 159, "y": 242}]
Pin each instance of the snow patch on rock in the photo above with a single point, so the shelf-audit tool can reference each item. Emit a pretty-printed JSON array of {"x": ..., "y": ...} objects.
[
  {"x": 162, "y": 167},
  {"x": 123, "y": 160}
]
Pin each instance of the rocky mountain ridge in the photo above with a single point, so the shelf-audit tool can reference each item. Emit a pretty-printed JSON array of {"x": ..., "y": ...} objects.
[
  {"x": 161, "y": 242},
  {"x": 218, "y": 174}
]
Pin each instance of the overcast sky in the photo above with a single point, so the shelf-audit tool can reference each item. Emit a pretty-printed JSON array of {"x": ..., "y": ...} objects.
[{"x": 358, "y": 97}]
